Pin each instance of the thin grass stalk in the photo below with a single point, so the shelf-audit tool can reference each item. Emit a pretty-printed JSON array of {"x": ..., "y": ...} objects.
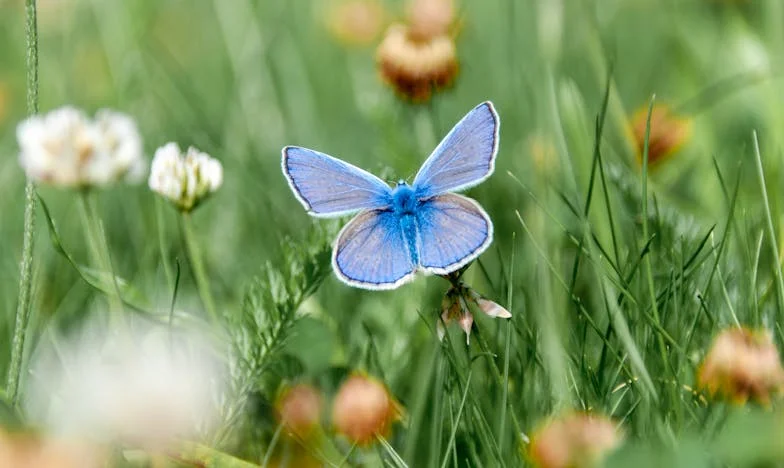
[
  {"x": 769, "y": 222},
  {"x": 28, "y": 242},
  {"x": 647, "y": 259}
]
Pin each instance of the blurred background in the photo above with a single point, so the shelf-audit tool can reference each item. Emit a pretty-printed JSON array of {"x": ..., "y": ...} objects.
[{"x": 240, "y": 79}]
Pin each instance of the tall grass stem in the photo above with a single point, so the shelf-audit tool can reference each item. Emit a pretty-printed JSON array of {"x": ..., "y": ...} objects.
[
  {"x": 28, "y": 242},
  {"x": 197, "y": 265},
  {"x": 647, "y": 259}
]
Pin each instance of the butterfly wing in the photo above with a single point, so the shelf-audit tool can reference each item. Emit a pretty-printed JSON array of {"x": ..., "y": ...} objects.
[
  {"x": 371, "y": 252},
  {"x": 465, "y": 157},
  {"x": 329, "y": 187},
  {"x": 453, "y": 230}
]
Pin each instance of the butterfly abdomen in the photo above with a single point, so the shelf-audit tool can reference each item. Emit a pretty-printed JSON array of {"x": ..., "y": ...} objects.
[
  {"x": 405, "y": 204},
  {"x": 408, "y": 224}
]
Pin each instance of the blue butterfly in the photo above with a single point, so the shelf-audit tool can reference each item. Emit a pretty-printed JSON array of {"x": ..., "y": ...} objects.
[{"x": 408, "y": 228}]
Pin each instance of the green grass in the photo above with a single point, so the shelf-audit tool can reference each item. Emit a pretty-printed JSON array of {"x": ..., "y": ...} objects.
[{"x": 617, "y": 274}]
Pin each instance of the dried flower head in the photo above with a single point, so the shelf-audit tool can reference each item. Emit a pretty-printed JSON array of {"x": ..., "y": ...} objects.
[
  {"x": 668, "y": 133},
  {"x": 414, "y": 68},
  {"x": 742, "y": 365},
  {"x": 140, "y": 388},
  {"x": 430, "y": 18},
  {"x": 66, "y": 149},
  {"x": 576, "y": 440},
  {"x": 299, "y": 409},
  {"x": 187, "y": 179},
  {"x": 363, "y": 408},
  {"x": 357, "y": 22},
  {"x": 454, "y": 307}
]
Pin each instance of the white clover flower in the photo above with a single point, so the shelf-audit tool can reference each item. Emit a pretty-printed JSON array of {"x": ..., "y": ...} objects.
[
  {"x": 65, "y": 148},
  {"x": 140, "y": 389},
  {"x": 184, "y": 179}
]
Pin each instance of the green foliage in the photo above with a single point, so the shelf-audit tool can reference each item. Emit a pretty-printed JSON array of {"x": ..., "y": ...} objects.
[{"x": 261, "y": 334}]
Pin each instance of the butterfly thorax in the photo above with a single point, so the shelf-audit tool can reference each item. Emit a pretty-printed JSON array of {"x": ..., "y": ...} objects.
[{"x": 404, "y": 200}]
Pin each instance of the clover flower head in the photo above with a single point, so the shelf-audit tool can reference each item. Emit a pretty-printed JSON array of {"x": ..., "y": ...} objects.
[
  {"x": 299, "y": 409},
  {"x": 574, "y": 441},
  {"x": 36, "y": 451},
  {"x": 142, "y": 388},
  {"x": 430, "y": 18},
  {"x": 356, "y": 22},
  {"x": 742, "y": 365},
  {"x": 364, "y": 409},
  {"x": 668, "y": 133},
  {"x": 187, "y": 179},
  {"x": 65, "y": 148},
  {"x": 416, "y": 67}
]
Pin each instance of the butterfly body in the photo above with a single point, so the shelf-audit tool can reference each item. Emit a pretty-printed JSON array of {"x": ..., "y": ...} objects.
[
  {"x": 407, "y": 228},
  {"x": 404, "y": 200}
]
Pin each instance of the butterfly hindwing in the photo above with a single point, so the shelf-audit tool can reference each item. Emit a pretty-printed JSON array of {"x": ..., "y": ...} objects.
[
  {"x": 465, "y": 157},
  {"x": 453, "y": 230},
  {"x": 329, "y": 187},
  {"x": 371, "y": 252}
]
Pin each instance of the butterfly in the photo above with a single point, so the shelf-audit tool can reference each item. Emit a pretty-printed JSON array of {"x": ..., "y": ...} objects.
[{"x": 407, "y": 228}]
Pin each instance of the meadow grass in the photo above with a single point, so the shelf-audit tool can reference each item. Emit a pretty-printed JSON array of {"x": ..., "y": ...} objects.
[{"x": 618, "y": 270}]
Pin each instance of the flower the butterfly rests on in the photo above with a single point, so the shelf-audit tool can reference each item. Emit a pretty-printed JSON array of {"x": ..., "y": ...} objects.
[{"x": 408, "y": 228}]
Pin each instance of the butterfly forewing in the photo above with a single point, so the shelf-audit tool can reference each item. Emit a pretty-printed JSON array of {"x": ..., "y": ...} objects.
[
  {"x": 465, "y": 157},
  {"x": 329, "y": 187},
  {"x": 371, "y": 252},
  {"x": 453, "y": 230}
]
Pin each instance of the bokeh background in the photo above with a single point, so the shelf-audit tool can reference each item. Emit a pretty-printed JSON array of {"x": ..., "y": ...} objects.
[{"x": 240, "y": 79}]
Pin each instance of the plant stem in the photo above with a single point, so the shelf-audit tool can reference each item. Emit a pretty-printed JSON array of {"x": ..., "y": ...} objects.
[
  {"x": 100, "y": 257},
  {"x": 197, "y": 265},
  {"x": 26, "y": 267}
]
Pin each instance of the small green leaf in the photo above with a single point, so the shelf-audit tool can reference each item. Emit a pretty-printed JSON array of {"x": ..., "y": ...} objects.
[{"x": 107, "y": 283}]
